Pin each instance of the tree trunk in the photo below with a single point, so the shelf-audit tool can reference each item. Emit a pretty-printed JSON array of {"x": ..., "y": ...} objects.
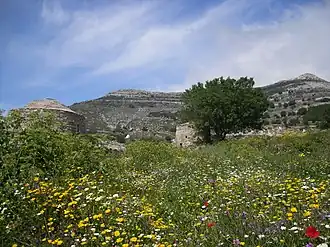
[{"x": 207, "y": 134}]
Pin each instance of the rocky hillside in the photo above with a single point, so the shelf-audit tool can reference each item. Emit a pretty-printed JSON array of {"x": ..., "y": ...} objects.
[
  {"x": 288, "y": 96},
  {"x": 137, "y": 112},
  {"x": 142, "y": 113}
]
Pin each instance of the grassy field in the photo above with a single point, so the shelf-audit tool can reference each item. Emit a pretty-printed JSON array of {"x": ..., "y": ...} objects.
[{"x": 253, "y": 192}]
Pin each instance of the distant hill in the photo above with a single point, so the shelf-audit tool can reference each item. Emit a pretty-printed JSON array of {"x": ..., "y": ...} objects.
[{"x": 144, "y": 113}]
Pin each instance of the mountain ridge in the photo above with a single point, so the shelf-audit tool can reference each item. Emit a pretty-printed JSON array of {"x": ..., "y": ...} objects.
[{"x": 142, "y": 112}]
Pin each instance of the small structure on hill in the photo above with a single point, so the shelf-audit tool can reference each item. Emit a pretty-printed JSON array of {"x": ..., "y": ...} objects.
[
  {"x": 186, "y": 135},
  {"x": 71, "y": 120}
]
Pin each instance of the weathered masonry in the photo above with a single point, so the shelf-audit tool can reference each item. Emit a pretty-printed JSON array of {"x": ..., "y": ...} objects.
[
  {"x": 71, "y": 120},
  {"x": 185, "y": 135}
]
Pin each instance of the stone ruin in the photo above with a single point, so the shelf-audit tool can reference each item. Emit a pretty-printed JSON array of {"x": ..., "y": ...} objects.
[
  {"x": 71, "y": 120},
  {"x": 186, "y": 135}
]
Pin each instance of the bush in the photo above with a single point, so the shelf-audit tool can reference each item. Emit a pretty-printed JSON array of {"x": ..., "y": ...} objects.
[
  {"x": 293, "y": 121},
  {"x": 120, "y": 138},
  {"x": 276, "y": 121},
  {"x": 36, "y": 146},
  {"x": 292, "y": 103},
  {"x": 302, "y": 111}
]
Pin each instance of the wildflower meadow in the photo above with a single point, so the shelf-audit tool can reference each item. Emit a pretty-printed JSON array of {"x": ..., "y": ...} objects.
[{"x": 61, "y": 189}]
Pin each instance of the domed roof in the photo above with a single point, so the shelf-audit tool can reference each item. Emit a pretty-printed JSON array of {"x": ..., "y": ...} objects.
[{"x": 48, "y": 103}]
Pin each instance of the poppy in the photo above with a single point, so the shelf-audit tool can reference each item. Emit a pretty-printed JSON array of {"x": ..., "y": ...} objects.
[
  {"x": 206, "y": 203},
  {"x": 210, "y": 224},
  {"x": 312, "y": 232}
]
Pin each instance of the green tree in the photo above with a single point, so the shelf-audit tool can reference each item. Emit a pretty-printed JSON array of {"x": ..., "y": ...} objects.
[{"x": 223, "y": 106}]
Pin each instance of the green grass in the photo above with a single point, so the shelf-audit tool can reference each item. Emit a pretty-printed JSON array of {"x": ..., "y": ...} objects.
[{"x": 260, "y": 191}]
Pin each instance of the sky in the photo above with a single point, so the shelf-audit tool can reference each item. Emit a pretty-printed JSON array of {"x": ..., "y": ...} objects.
[{"x": 77, "y": 50}]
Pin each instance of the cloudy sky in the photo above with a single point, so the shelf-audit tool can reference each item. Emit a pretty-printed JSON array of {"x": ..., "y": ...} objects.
[{"x": 75, "y": 50}]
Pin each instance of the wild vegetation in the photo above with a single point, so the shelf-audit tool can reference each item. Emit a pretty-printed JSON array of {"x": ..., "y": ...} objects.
[
  {"x": 60, "y": 189},
  {"x": 320, "y": 114},
  {"x": 224, "y": 106}
]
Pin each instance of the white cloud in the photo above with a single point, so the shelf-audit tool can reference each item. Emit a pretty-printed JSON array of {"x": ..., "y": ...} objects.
[
  {"x": 117, "y": 38},
  {"x": 53, "y": 13}
]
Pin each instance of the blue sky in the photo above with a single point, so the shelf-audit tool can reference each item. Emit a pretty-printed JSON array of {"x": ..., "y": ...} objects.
[{"x": 75, "y": 50}]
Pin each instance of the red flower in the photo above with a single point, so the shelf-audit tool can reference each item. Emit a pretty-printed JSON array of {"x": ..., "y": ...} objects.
[
  {"x": 206, "y": 203},
  {"x": 312, "y": 232},
  {"x": 210, "y": 224}
]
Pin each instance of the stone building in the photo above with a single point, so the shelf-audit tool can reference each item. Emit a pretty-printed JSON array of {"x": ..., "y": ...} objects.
[
  {"x": 185, "y": 135},
  {"x": 71, "y": 120}
]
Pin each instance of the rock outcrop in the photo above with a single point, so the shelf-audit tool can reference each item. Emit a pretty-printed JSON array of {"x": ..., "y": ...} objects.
[{"x": 141, "y": 113}]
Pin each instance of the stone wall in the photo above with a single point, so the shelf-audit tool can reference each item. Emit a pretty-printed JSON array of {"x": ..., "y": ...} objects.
[{"x": 185, "y": 135}]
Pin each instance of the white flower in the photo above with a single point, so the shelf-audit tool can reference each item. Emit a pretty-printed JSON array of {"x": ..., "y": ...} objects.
[
  {"x": 293, "y": 228},
  {"x": 327, "y": 226},
  {"x": 283, "y": 228},
  {"x": 99, "y": 198},
  {"x": 322, "y": 245}
]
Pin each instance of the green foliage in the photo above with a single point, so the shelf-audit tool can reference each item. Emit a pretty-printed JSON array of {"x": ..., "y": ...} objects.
[
  {"x": 34, "y": 144},
  {"x": 276, "y": 121},
  {"x": 325, "y": 124},
  {"x": 223, "y": 106},
  {"x": 317, "y": 113},
  {"x": 292, "y": 103},
  {"x": 293, "y": 122},
  {"x": 302, "y": 111}
]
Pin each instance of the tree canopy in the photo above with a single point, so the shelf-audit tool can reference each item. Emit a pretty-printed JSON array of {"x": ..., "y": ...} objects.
[{"x": 222, "y": 106}]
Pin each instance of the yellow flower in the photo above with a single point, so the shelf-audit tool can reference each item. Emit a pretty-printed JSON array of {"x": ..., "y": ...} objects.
[
  {"x": 282, "y": 241},
  {"x": 108, "y": 211},
  {"x": 307, "y": 213},
  {"x": 36, "y": 179},
  {"x": 119, "y": 240},
  {"x": 294, "y": 210},
  {"x": 120, "y": 220},
  {"x": 242, "y": 243},
  {"x": 125, "y": 245},
  {"x": 117, "y": 233},
  {"x": 134, "y": 239},
  {"x": 289, "y": 214},
  {"x": 59, "y": 242},
  {"x": 14, "y": 245},
  {"x": 97, "y": 216},
  {"x": 72, "y": 203}
]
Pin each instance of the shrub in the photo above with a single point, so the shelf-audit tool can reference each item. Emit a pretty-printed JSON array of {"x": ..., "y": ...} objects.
[{"x": 302, "y": 111}]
